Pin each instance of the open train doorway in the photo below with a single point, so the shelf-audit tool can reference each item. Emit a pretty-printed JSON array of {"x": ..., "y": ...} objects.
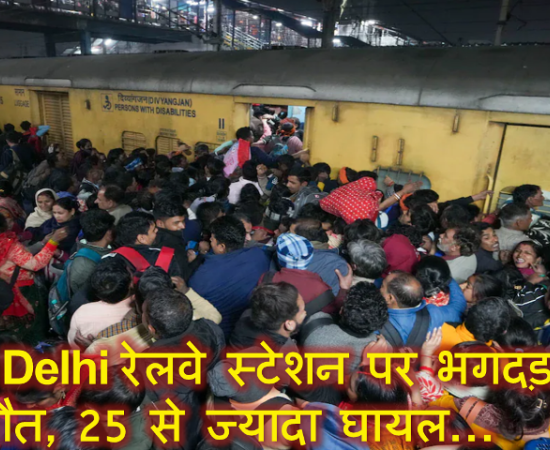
[{"x": 279, "y": 129}]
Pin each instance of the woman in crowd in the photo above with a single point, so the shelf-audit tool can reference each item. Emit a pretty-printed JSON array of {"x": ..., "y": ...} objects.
[
  {"x": 26, "y": 316},
  {"x": 45, "y": 199},
  {"x": 481, "y": 286}
]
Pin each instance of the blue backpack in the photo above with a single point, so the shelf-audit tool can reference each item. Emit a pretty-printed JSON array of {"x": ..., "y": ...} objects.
[{"x": 60, "y": 293}]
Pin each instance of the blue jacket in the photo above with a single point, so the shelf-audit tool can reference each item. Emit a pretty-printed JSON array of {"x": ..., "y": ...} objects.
[
  {"x": 403, "y": 319},
  {"x": 324, "y": 264},
  {"x": 227, "y": 280}
]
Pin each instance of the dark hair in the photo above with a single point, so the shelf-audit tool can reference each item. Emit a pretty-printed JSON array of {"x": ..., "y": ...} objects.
[
  {"x": 273, "y": 304},
  {"x": 120, "y": 391},
  {"x": 25, "y": 125},
  {"x": 424, "y": 219},
  {"x": 374, "y": 391},
  {"x": 351, "y": 174},
  {"x": 62, "y": 183},
  {"x": 244, "y": 133},
  {"x": 166, "y": 208},
  {"x": 512, "y": 212},
  {"x": 66, "y": 425},
  {"x": 365, "y": 310},
  {"x": 455, "y": 215},
  {"x": 425, "y": 196},
  {"x": 208, "y": 212},
  {"x": 362, "y": 229},
  {"x": 218, "y": 186},
  {"x": 229, "y": 231},
  {"x": 47, "y": 194},
  {"x": 368, "y": 257},
  {"x": 250, "y": 194},
  {"x": 473, "y": 211},
  {"x": 303, "y": 175},
  {"x": 215, "y": 166},
  {"x": 254, "y": 212},
  {"x": 249, "y": 171},
  {"x": 114, "y": 193},
  {"x": 402, "y": 287},
  {"x": 482, "y": 226},
  {"x": 131, "y": 226},
  {"x": 413, "y": 234},
  {"x": 286, "y": 160},
  {"x": 114, "y": 156},
  {"x": 169, "y": 312},
  {"x": 80, "y": 144},
  {"x": 468, "y": 238},
  {"x": 13, "y": 136},
  {"x": 9, "y": 127},
  {"x": 520, "y": 334},
  {"x": 434, "y": 275},
  {"x": 90, "y": 202},
  {"x": 67, "y": 203},
  {"x": 486, "y": 286},
  {"x": 111, "y": 280},
  {"x": 488, "y": 319},
  {"x": 522, "y": 193},
  {"x": 311, "y": 229},
  {"x": 512, "y": 281},
  {"x": 520, "y": 409},
  {"x": 318, "y": 168},
  {"x": 367, "y": 174},
  {"x": 536, "y": 247},
  {"x": 151, "y": 280},
  {"x": 313, "y": 211},
  {"x": 95, "y": 224}
]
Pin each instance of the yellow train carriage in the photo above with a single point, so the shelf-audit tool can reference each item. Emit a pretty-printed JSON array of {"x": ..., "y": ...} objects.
[{"x": 464, "y": 117}]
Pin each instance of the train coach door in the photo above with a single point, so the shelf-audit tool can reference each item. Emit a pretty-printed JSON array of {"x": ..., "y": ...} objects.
[
  {"x": 524, "y": 159},
  {"x": 55, "y": 112}
]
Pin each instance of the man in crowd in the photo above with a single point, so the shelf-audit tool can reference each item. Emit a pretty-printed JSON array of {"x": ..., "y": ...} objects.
[
  {"x": 228, "y": 276},
  {"x": 515, "y": 219},
  {"x": 110, "y": 198},
  {"x": 460, "y": 245}
]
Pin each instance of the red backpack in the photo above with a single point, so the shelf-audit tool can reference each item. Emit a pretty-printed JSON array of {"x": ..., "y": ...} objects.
[{"x": 141, "y": 264}]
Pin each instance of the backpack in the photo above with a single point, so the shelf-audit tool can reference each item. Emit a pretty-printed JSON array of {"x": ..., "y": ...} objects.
[
  {"x": 14, "y": 173},
  {"x": 416, "y": 337},
  {"x": 140, "y": 264},
  {"x": 60, "y": 293},
  {"x": 276, "y": 146}
]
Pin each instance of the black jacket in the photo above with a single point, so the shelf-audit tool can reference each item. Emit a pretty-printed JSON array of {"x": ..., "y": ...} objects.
[
  {"x": 151, "y": 254},
  {"x": 246, "y": 335},
  {"x": 208, "y": 338},
  {"x": 486, "y": 262},
  {"x": 174, "y": 239}
]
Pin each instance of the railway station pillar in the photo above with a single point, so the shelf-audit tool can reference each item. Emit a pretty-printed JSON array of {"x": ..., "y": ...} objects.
[
  {"x": 50, "y": 45},
  {"x": 331, "y": 13},
  {"x": 85, "y": 43}
]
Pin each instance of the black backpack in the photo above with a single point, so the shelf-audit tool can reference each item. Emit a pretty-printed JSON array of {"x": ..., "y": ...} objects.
[{"x": 416, "y": 337}]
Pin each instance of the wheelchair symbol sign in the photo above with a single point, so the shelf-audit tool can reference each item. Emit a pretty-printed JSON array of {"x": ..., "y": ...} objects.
[{"x": 106, "y": 103}]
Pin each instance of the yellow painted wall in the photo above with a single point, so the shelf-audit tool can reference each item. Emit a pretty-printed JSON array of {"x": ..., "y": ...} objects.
[
  {"x": 15, "y": 105},
  {"x": 456, "y": 163}
]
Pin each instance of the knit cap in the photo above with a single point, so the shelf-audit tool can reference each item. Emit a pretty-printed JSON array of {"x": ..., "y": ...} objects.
[{"x": 293, "y": 251}]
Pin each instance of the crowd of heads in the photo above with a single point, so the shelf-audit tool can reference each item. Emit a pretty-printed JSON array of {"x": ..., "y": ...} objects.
[{"x": 474, "y": 282}]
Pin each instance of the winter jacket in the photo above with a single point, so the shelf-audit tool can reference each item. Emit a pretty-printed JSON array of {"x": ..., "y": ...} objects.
[
  {"x": 324, "y": 263},
  {"x": 207, "y": 336},
  {"x": 73, "y": 228},
  {"x": 174, "y": 239},
  {"x": 403, "y": 319},
  {"x": 227, "y": 280},
  {"x": 82, "y": 268},
  {"x": 150, "y": 254}
]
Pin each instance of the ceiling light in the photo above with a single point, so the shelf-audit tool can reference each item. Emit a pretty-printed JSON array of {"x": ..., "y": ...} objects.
[
  {"x": 278, "y": 24},
  {"x": 255, "y": 17},
  {"x": 108, "y": 41},
  {"x": 307, "y": 23},
  {"x": 336, "y": 41},
  {"x": 371, "y": 22}
]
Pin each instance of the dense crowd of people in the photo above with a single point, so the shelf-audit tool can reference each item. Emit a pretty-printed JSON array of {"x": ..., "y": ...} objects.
[{"x": 246, "y": 243}]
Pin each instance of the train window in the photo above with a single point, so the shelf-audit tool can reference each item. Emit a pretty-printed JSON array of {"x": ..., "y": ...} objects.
[
  {"x": 165, "y": 144},
  {"x": 132, "y": 140},
  {"x": 284, "y": 121}
]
